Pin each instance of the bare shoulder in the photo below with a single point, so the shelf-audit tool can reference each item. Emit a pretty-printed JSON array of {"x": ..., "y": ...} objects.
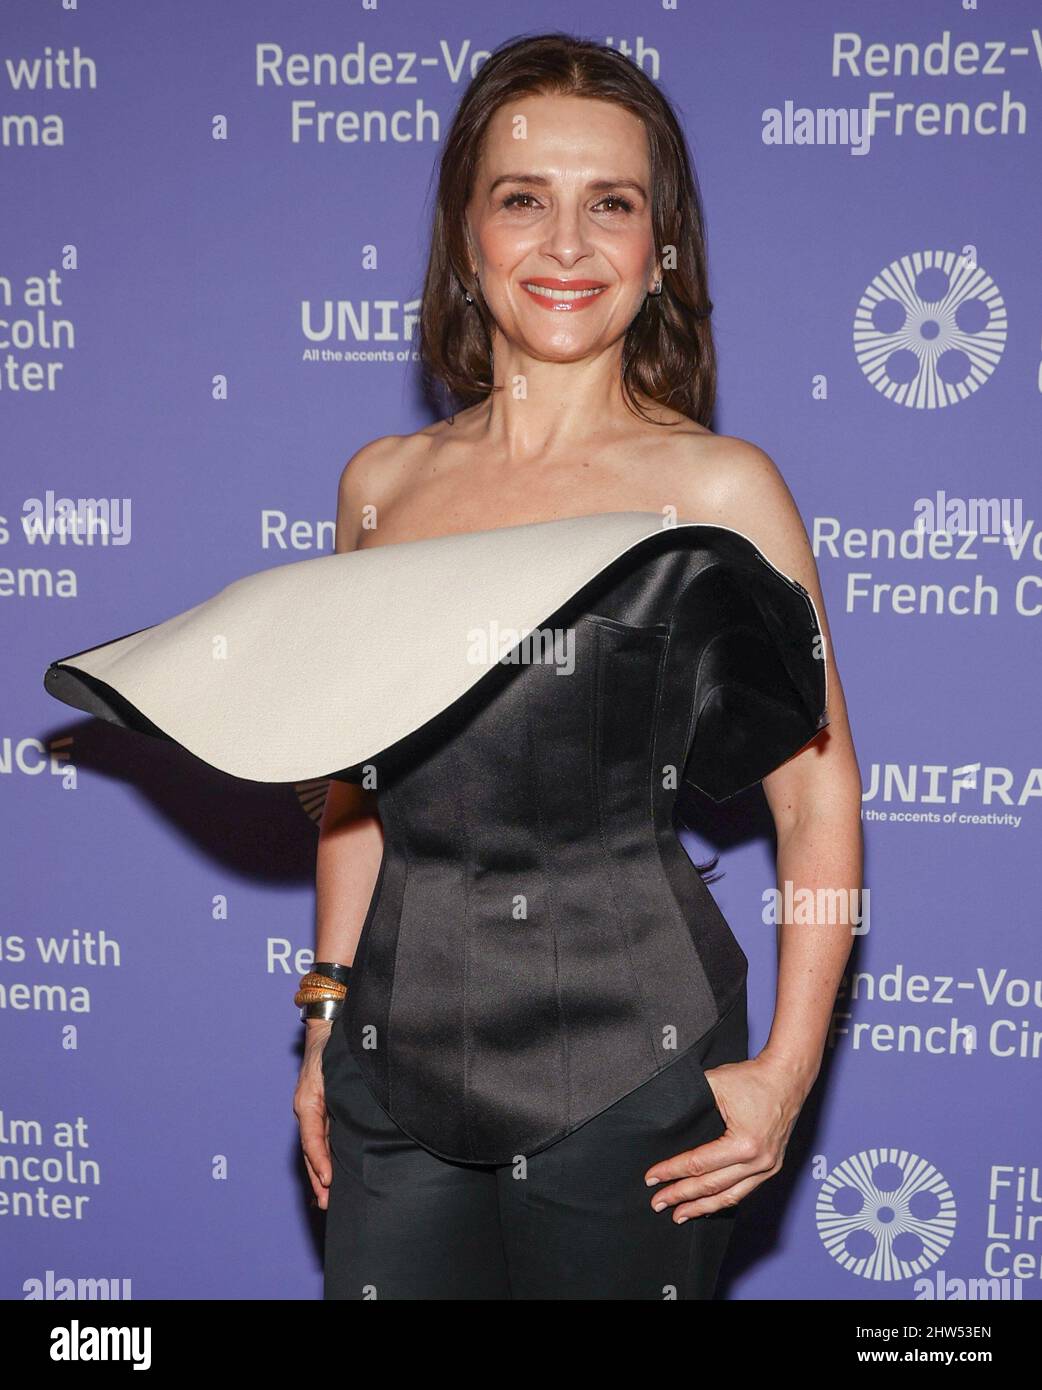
[
  {"x": 737, "y": 484},
  {"x": 371, "y": 479}
]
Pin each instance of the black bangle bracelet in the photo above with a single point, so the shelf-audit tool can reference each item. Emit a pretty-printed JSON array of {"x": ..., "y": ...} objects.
[{"x": 340, "y": 973}]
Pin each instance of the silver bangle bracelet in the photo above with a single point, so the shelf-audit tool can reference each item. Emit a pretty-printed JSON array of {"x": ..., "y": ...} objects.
[{"x": 322, "y": 1008}]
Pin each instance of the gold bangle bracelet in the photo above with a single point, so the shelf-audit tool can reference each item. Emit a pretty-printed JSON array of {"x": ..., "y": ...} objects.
[
  {"x": 315, "y": 987},
  {"x": 313, "y": 980},
  {"x": 315, "y": 996}
]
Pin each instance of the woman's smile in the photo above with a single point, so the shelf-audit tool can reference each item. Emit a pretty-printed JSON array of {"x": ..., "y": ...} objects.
[{"x": 566, "y": 296}]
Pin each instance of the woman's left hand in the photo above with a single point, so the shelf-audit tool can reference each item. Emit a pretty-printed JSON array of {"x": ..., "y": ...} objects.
[{"x": 759, "y": 1101}]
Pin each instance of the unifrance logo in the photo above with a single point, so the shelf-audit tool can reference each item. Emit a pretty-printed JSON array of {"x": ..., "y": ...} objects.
[
  {"x": 885, "y": 1214},
  {"x": 930, "y": 329}
]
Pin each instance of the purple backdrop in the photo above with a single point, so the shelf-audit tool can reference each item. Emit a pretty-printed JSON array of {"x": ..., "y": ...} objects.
[{"x": 149, "y": 254}]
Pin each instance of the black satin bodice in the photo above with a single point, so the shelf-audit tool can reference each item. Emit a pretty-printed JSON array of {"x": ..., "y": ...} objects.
[{"x": 538, "y": 942}]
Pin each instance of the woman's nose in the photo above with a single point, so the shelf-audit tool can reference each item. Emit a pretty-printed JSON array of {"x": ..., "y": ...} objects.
[{"x": 565, "y": 235}]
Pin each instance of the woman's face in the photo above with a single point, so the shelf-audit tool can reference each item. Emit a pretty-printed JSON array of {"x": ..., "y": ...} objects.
[{"x": 562, "y": 205}]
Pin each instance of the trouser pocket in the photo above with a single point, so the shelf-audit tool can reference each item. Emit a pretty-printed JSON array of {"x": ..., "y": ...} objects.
[{"x": 726, "y": 1041}]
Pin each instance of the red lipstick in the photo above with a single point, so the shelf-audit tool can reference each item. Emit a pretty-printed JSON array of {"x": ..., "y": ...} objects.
[{"x": 570, "y": 296}]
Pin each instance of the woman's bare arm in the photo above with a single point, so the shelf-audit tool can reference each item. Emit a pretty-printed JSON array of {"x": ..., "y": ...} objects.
[
  {"x": 350, "y": 847},
  {"x": 815, "y": 800}
]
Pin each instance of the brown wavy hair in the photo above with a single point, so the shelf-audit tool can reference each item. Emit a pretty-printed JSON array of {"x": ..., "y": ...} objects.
[{"x": 668, "y": 354}]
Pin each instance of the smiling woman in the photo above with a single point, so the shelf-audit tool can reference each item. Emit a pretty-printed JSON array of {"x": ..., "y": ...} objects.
[
  {"x": 568, "y": 146},
  {"x": 526, "y": 1070}
]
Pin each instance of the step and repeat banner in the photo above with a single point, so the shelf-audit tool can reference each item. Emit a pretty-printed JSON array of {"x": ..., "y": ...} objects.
[{"x": 212, "y": 243}]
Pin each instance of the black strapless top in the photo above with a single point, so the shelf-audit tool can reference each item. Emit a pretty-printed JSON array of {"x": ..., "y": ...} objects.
[{"x": 538, "y": 942}]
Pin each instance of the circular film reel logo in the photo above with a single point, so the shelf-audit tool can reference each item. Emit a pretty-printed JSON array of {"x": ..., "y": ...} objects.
[
  {"x": 885, "y": 1214},
  {"x": 930, "y": 329}
]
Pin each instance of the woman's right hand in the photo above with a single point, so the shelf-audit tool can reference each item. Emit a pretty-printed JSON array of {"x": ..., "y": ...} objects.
[{"x": 309, "y": 1106}]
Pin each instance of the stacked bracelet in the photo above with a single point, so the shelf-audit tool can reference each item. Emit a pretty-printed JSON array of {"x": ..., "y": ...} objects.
[
  {"x": 340, "y": 973},
  {"x": 322, "y": 990}
]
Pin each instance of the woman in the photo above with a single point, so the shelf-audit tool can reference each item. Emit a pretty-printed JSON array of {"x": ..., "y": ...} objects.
[
  {"x": 526, "y": 1072},
  {"x": 555, "y": 244}
]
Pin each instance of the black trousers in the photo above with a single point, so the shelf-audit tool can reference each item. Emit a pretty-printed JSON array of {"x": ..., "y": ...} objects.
[{"x": 571, "y": 1222}]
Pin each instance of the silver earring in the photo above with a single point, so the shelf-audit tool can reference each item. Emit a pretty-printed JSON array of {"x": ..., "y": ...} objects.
[
  {"x": 468, "y": 297},
  {"x": 658, "y": 288}
]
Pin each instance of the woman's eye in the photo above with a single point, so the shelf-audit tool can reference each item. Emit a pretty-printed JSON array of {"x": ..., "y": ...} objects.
[
  {"x": 524, "y": 201},
  {"x": 623, "y": 204}
]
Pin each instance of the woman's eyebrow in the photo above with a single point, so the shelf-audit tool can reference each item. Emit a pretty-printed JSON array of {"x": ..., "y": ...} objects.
[
  {"x": 597, "y": 185},
  {"x": 602, "y": 185}
]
